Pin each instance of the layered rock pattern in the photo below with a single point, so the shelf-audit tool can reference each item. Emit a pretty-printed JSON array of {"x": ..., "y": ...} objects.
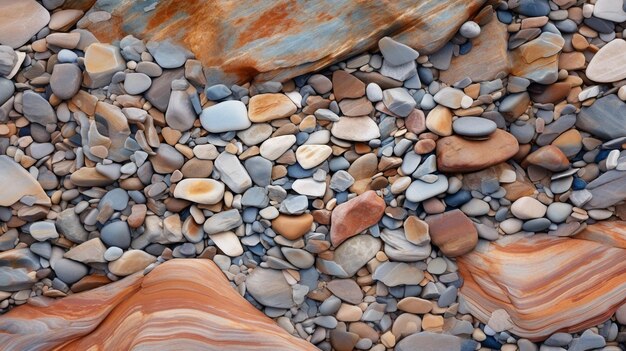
[
  {"x": 548, "y": 284},
  {"x": 181, "y": 304},
  {"x": 277, "y": 40}
]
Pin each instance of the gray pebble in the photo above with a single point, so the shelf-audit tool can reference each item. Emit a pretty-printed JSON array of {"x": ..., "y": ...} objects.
[
  {"x": 69, "y": 271},
  {"x": 116, "y": 234}
]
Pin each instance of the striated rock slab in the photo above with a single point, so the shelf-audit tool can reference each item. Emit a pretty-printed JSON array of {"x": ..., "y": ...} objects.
[
  {"x": 547, "y": 284},
  {"x": 277, "y": 40},
  {"x": 180, "y": 305}
]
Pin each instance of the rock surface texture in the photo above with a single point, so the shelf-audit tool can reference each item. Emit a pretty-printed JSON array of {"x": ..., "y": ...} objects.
[
  {"x": 181, "y": 304},
  {"x": 279, "y": 40},
  {"x": 548, "y": 284}
]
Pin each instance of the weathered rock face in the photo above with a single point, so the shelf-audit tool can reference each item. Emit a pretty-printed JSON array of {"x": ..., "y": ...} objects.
[
  {"x": 551, "y": 283},
  {"x": 280, "y": 39},
  {"x": 181, "y": 304}
]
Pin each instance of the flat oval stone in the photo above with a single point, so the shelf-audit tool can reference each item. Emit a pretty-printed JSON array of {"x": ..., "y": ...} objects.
[
  {"x": 202, "y": 191},
  {"x": 474, "y": 126},
  {"x": 225, "y": 116},
  {"x": 528, "y": 208},
  {"x": 609, "y": 63},
  {"x": 136, "y": 83},
  {"x": 455, "y": 154},
  {"x": 355, "y": 129}
]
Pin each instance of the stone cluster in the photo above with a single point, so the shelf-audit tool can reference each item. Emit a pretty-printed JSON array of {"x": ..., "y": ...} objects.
[{"x": 456, "y": 190}]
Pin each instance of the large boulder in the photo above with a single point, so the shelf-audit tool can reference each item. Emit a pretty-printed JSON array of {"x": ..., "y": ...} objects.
[{"x": 279, "y": 40}]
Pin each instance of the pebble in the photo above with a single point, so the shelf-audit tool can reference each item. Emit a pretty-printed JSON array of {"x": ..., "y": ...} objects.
[
  {"x": 37, "y": 109},
  {"x": 292, "y": 227},
  {"x": 268, "y": 107},
  {"x": 528, "y": 208},
  {"x": 310, "y": 156},
  {"x": 65, "y": 80},
  {"x": 42, "y": 231},
  {"x": 113, "y": 253},
  {"x": 453, "y": 232},
  {"x": 356, "y": 215},
  {"x": 212, "y": 118},
  {"x": 102, "y": 61},
  {"x": 228, "y": 243},
  {"x": 469, "y": 30},
  {"x": 398, "y": 101},
  {"x": 275, "y": 147},
  {"x": 69, "y": 271},
  {"x": 232, "y": 172},
  {"x": 277, "y": 295},
  {"x": 474, "y": 127},
  {"x": 374, "y": 92},
  {"x": 202, "y": 191},
  {"x": 396, "y": 53},
  {"x": 136, "y": 83},
  {"x": 355, "y": 129},
  {"x": 419, "y": 190}
]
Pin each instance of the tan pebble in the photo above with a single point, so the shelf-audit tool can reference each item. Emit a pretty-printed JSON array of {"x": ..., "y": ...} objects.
[
  {"x": 478, "y": 335},
  {"x": 388, "y": 339},
  {"x": 432, "y": 323},
  {"x": 349, "y": 313},
  {"x": 424, "y": 146},
  {"x": 621, "y": 93},
  {"x": 439, "y": 121},
  {"x": 579, "y": 42},
  {"x": 231, "y": 148},
  {"x": 509, "y": 347},
  {"x": 415, "y": 305}
]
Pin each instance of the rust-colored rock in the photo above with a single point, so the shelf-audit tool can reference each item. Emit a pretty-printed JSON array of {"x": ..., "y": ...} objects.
[
  {"x": 292, "y": 227},
  {"x": 546, "y": 284},
  {"x": 488, "y": 57},
  {"x": 277, "y": 40},
  {"x": 453, "y": 232},
  {"x": 456, "y": 154},
  {"x": 346, "y": 85},
  {"x": 181, "y": 305},
  {"x": 356, "y": 215},
  {"x": 549, "y": 157},
  {"x": 268, "y": 107}
]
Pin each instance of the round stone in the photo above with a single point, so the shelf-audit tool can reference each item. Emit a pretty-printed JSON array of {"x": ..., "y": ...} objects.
[
  {"x": 113, "y": 253},
  {"x": 69, "y": 271},
  {"x": 116, "y": 234},
  {"x": 470, "y": 29},
  {"x": 558, "y": 212},
  {"x": 136, "y": 83},
  {"x": 528, "y": 208},
  {"x": 474, "y": 126}
]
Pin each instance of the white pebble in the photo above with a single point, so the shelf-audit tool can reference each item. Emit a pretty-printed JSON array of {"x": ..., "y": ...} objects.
[{"x": 611, "y": 159}]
